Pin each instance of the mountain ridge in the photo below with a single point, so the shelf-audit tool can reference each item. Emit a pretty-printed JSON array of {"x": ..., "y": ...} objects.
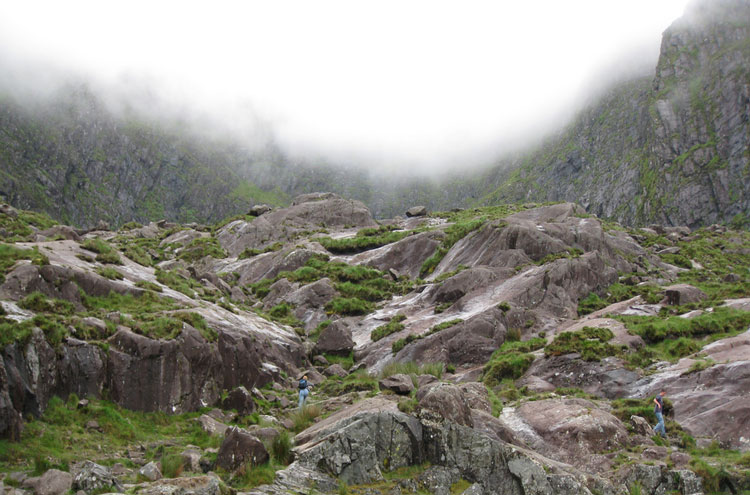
[{"x": 670, "y": 149}]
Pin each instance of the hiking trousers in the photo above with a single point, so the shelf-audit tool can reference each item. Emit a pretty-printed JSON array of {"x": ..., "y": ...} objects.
[{"x": 303, "y": 397}]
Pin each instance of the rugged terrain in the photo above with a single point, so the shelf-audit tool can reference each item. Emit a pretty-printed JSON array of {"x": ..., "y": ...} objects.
[
  {"x": 506, "y": 349},
  {"x": 668, "y": 148}
]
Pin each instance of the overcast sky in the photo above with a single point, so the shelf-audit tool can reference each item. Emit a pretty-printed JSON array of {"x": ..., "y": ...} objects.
[{"x": 397, "y": 84}]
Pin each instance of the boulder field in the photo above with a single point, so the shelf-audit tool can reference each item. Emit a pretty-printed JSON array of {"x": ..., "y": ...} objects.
[{"x": 512, "y": 349}]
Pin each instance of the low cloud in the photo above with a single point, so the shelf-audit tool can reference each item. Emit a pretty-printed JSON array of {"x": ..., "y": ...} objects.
[{"x": 423, "y": 87}]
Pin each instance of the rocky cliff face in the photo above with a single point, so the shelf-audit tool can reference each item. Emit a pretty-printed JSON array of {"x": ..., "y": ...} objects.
[{"x": 672, "y": 149}]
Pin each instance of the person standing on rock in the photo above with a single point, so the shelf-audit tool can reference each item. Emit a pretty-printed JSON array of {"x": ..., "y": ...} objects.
[
  {"x": 659, "y": 411},
  {"x": 304, "y": 391}
]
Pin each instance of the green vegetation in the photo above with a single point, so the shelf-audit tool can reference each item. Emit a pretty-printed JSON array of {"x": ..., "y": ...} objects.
[
  {"x": 346, "y": 361},
  {"x": 401, "y": 343},
  {"x": 145, "y": 284},
  {"x": 393, "y": 326},
  {"x": 197, "y": 321},
  {"x": 589, "y": 342},
  {"x": 39, "y": 303},
  {"x": 200, "y": 248},
  {"x": 250, "y": 252},
  {"x": 360, "y": 286},
  {"x": 616, "y": 293},
  {"x": 105, "y": 252},
  {"x": 453, "y": 234},
  {"x": 18, "y": 229},
  {"x": 570, "y": 253},
  {"x": 413, "y": 369},
  {"x": 304, "y": 418},
  {"x": 511, "y": 360},
  {"x": 110, "y": 273},
  {"x": 175, "y": 281},
  {"x": 364, "y": 240},
  {"x": 348, "y": 306},
  {"x": 284, "y": 314},
  {"x": 60, "y": 437},
  {"x": 10, "y": 255},
  {"x": 358, "y": 381},
  {"x": 719, "y": 323}
]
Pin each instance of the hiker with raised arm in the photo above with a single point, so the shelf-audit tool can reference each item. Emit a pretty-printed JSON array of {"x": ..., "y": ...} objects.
[{"x": 659, "y": 412}]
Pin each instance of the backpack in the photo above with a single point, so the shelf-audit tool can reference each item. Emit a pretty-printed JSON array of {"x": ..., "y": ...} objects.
[{"x": 302, "y": 384}]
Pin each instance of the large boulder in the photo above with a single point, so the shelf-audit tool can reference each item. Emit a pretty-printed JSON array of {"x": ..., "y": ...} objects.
[
  {"x": 406, "y": 256},
  {"x": 150, "y": 472},
  {"x": 61, "y": 231},
  {"x": 607, "y": 378},
  {"x": 308, "y": 212},
  {"x": 93, "y": 477},
  {"x": 360, "y": 444},
  {"x": 680, "y": 294},
  {"x": 416, "y": 211},
  {"x": 195, "y": 485},
  {"x": 336, "y": 338},
  {"x": 399, "y": 383},
  {"x": 444, "y": 402},
  {"x": 52, "y": 482},
  {"x": 178, "y": 375},
  {"x": 470, "y": 342},
  {"x": 570, "y": 430},
  {"x": 239, "y": 399},
  {"x": 658, "y": 479},
  {"x": 457, "y": 286},
  {"x": 641, "y": 426},
  {"x": 240, "y": 448}
]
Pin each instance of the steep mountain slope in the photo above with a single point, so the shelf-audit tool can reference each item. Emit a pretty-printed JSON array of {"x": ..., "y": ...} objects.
[
  {"x": 671, "y": 149},
  {"x": 674, "y": 149},
  {"x": 71, "y": 157},
  {"x": 511, "y": 349}
]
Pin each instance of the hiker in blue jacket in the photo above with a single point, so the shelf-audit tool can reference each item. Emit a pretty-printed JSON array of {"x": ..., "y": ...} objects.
[
  {"x": 659, "y": 411},
  {"x": 304, "y": 391}
]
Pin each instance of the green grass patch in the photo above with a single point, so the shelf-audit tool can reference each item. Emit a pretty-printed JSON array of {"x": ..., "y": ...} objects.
[
  {"x": 145, "y": 284},
  {"x": 110, "y": 273},
  {"x": 200, "y": 248},
  {"x": 283, "y": 313},
  {"x": 393, "y": 326},
  {"x": 345, "y": 361},
  {"x": 354, "y": 382},
  {"x": 589, "y": 342},
  {"x": 619, "y": 292},
  {"x": 105, "y": 252},
  {"x": 349, "y": 306},
  {"x": 453, "y": 234},
  {"x": 60, "y": 436},
  {"x": 365, "y": 239},
  {"x": 177, "y": 282},
  {"x": 401, "y": 343},
  {"x": 39, "y": 303},
  {"x": 19, "y": 229},
  {"x": 570, "y": 253},
  {"x": 301, "y": 419},
  {"x": 197, "y": 321},
  {"x": 510, "y": 361},
  {"x": 720, "y": 323},
  {"x": 12, "y": 332},
  {"x": 412, "y": 368},
  {"x": 250, "y": 252},
  {"x": 10, "y": 255}
]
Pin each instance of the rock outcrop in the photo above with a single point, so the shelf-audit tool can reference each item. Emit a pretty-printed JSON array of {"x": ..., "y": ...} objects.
[{"x": 308, "y": 212}]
